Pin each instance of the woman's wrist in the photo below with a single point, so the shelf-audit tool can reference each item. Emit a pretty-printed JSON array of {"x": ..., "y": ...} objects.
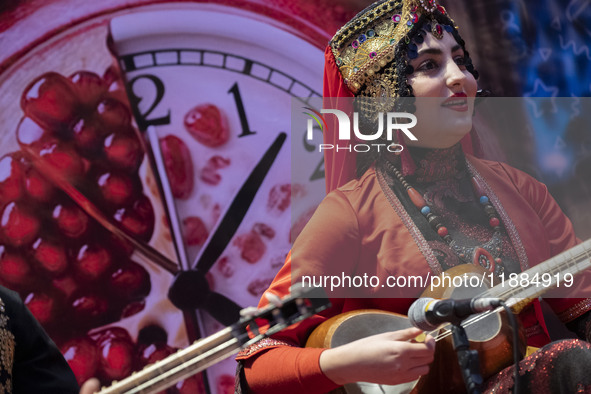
[{"x": 334, "y": 366}]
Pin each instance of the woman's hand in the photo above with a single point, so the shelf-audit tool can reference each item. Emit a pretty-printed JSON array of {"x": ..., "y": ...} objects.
[
  {"x": 90, "y": 386},
  {"x": 388, "y": 358}
]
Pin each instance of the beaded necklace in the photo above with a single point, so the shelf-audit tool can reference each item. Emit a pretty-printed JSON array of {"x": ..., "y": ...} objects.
[{"x": 486, "y": 255}]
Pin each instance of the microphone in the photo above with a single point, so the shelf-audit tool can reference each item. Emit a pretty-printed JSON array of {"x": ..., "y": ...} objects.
[{"x": 428, "y": 313}]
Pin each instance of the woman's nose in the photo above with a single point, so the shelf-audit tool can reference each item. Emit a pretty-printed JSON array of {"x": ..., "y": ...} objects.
[{"x": 455, "y": 76}]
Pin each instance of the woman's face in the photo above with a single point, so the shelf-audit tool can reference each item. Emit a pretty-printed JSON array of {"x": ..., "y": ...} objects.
[{"x": 440, "y": 76}]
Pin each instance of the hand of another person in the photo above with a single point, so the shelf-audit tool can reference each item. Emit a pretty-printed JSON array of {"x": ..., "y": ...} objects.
[
  {"x": 389, "y": 358},
  {"x": 90, "y": 386}
]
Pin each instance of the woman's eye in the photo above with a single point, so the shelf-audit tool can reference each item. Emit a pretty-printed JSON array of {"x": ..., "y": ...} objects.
[
  {"x": 460, "y": 60},
  {"x": 427, "y": 65}
]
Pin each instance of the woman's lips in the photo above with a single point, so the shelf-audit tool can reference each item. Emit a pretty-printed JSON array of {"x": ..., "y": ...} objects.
[{"x": 457, "y": 102}]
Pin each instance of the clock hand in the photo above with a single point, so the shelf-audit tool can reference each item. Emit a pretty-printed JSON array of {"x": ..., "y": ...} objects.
[
  {"x": 189, "y": 289},
  {"x": 92, "y": 210}
]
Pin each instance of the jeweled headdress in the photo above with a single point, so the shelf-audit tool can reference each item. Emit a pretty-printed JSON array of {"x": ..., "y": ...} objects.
[{"x": 387, "y": 32}]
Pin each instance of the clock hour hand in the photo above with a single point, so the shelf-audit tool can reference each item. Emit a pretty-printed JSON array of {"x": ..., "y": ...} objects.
[{"x": 189, "y": 289}]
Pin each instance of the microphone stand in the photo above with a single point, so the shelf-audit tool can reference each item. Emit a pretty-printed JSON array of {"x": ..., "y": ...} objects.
[{"x": 468, "y": 360}]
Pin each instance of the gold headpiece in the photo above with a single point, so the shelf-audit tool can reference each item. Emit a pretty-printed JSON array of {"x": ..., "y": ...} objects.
[{"x": 365, "y": 45}]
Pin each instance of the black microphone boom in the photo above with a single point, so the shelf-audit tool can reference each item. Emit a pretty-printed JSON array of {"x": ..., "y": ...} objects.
[{"x": 428, "y": 313}]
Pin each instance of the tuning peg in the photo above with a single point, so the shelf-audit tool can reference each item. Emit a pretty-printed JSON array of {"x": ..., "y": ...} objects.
[
  {"x": 248, "y": 312},
  {"x": 296, "y": 289},
  {"x": 273, "y": 299}
]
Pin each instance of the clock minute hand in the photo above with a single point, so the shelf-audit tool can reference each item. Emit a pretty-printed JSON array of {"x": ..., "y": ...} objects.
[
  {"x": 231, "y": 221},
  {"x": 189, "y": 289}
]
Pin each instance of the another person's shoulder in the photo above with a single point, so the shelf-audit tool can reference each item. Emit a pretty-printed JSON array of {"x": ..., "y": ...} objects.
[{"x": 10, "y": 298}]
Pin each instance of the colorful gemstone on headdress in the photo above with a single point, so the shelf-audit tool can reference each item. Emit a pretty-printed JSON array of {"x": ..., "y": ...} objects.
[
  {"x": 396, "y": 18},
  {"x": 372, "y": 55},
  {"x": 392, "y": 41},
  {"x": 413, "y": 9},
  {"x": 371, "y": 33},
  {"x": 339, "y": 61},
  {"x": 362, "y": 38},
  {"x": 355, "y": 44},
  {"x": 437, "y": 31},
  {"x": 355, "y": 69},
  {"x": 409, "y": 23},
  {"x": 441, "y": 9},
  {"x": 414, "y": 17}
]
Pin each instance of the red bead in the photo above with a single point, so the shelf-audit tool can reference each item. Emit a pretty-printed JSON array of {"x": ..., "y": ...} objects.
[
  {"x": 494, "y": 222},
  {"x": 498, "y": 260},
  {"x": 442, "y": 231},
  {"x": 416, "y": 198}
]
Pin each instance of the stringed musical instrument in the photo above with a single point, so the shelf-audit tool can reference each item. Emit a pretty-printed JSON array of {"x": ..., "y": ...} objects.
[
  {"x": 254, "y": 325},
  {"x": 488, "y": 332}
]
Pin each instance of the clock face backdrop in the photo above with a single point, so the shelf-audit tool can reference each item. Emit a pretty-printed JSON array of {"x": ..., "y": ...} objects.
[
  {"x": 216, "y": 85},
  {"x": 217, "y": 88}
]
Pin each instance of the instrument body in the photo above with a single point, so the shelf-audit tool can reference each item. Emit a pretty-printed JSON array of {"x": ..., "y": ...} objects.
[{"x": 489, "y": 334}]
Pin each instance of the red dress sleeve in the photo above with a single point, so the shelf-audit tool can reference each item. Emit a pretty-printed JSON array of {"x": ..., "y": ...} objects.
[
  {"x": 560, "y": 236},
  {"x": 272, "y": 366},
  {"x": 287, "y": 370}
]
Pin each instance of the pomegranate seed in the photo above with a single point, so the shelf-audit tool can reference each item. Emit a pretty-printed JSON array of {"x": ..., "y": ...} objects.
[
  {"x": 113, "y": 113},
  {"x": 225, "y": 384},
  {"x": 92, "y": 261},
  {"x": 63, "y": 160},
  {"x": 253, "y": 247},
  {"x": 264, "y": 230},
  {"x": 179, "y": 166},
  {"x": 155, "y": 352},
  {"x": 71, "y": 220},
  {"x": 41, "y": 306},
  {"x": 279, "y": 198},
  {"x": 89, "y": 87},
  {"x": 116, "y": 189},
  {"x": 124, "y": 150},
  {"x": 137, "y": 219},
  {"x": 66, "y": 285},
  {"x": 208, "y": 125},
  {"x": 11, "y": 178},
  {"x": 90, "y": 309},
  {"x": 50, "y": 101},
  {"x": 218, "y": 162},
  {"x": 225, "y": 267},
  {"x": 82, "y": 356},
  {"x": 50, "y": 256},
  {"x": 258, "y": 286},
  {"x": 19, "y": 227},
  {"x": 131, "y": 281},
  {"x": 30, "y": 134},
  {"x": 13, "y": 268},
  {"x": 195, "y": 231},
  {"x": 87, "y": 136},
  {"x": 38, "y": 187},
  {"x": 116, "y": 356},
  {"x": 133, "y": 308},
  {"x": 209, "y": 176}
]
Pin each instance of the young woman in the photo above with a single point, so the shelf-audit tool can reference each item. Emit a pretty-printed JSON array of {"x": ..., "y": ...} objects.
[{"x": 431, "y": 208}]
